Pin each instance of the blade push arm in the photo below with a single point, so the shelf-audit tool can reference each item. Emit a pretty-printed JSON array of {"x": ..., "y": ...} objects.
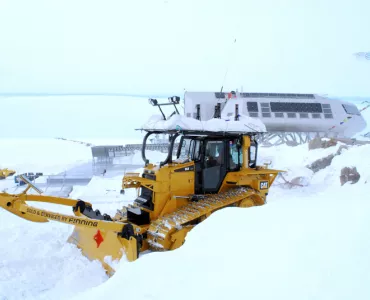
[{"x": 17, "y": 205}]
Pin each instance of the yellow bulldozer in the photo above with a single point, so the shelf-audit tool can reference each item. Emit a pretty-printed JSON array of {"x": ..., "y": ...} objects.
[
  {"x": 4, "y": 173},
  {"x": 203, "y": 172}
]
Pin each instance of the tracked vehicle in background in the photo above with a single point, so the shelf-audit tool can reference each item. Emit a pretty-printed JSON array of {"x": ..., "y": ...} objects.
[
  {"x": 4, "y": 173},
  {"x": 210, "y": 170}
]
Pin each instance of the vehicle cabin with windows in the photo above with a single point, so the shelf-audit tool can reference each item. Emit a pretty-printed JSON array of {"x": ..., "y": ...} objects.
[{"x": 280, "y": 112}]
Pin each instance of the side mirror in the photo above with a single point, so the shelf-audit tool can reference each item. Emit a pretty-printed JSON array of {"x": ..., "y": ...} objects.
[{"x": 267, "y": 162}]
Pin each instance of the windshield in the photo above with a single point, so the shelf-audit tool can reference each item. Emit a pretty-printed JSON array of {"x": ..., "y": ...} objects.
[
  {"x": 158, "y": 152},
  {"x": 190, "y": 149}
]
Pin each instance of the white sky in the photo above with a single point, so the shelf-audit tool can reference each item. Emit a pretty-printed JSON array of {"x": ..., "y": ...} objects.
[{"x": 164, "y": 46}]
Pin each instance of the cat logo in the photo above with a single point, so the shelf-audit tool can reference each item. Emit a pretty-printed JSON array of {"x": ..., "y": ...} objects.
[{"x": 264, "y": 185}]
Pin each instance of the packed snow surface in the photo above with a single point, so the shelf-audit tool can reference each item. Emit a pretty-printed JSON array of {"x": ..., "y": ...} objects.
[
  {"x": 180, "y": 122},
  {"x": 307, "y": 242},
  {"x": 50, "y": 156}
]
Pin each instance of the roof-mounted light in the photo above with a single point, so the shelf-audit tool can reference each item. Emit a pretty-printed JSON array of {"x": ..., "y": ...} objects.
[
  {"x": 153, "y": 102},
  {"x": 174, "y": 99}
]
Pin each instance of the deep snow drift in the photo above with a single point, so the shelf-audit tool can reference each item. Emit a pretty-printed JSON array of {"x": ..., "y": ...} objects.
[{"x": 308, "y": 242}]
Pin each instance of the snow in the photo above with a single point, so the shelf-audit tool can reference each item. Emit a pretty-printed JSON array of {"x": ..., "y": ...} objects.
[
  {"x": 309, "y": 242},
  {"x": 35, "y": 260},
  {"x": 306, "y": 243},
  {"x": 280, "y": 251},
  {"x": 104, "y": 194},
  {"x": 50, "y": 156},
  {"x": 136, "y": 159},
  {"x": 180, "y": 122}
]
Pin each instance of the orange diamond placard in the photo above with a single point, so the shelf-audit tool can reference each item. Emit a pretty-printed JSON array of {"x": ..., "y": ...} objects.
[{"x": 98, "y": 238}]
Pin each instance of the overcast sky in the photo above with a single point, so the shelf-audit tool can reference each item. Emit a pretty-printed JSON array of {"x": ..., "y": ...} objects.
[{"x": 158, "y": 47}]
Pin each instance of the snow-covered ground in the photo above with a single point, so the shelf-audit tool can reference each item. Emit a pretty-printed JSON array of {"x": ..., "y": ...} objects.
[
  {"x": 308, "y": 242},
  {"x": 50, "y": 156}
]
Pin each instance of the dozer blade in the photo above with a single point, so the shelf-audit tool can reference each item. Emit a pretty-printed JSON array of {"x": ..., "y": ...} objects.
[
  {"x": 98, "y": 239},
  {"x": 100, "y": 244}
]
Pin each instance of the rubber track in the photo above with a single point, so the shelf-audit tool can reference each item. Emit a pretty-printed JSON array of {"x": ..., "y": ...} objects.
[{"x": 162, "y": 227}]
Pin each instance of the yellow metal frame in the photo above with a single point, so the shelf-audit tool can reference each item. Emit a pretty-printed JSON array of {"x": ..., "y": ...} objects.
[{"x": 4, "y": 173}]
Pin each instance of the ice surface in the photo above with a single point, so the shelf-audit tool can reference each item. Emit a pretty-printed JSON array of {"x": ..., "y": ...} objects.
[{"x": 50, "y": 156}]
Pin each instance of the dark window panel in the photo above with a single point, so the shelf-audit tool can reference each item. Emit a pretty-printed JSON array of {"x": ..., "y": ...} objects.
[
  {"x": 328, "y": 116},
  {"x": 252, "y": 106},
  {"x": 220, "y": 95},
  {"x": 316, "y": 116},
  {"x": 279, "y": 115},
  {"x": 265, "y": 109},
  {"x": 253, "y": 115},
  {"x": 266, "y": 115},
  {"x": 291, "y": 115},
  {"x": 296, "y": 107}
]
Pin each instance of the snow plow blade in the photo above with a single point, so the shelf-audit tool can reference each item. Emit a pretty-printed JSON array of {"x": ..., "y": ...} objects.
[
  {"x": 98, "y": 239},
  {"x": 105, "y": 245}
]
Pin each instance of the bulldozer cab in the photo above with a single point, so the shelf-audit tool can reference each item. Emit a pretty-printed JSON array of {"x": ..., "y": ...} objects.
[
  {"x": 213, "y": 158},
  {"x": 213, "y": 155}
]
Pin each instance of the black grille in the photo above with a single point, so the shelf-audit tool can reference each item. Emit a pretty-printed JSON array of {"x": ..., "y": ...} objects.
[{"x": 296, "y": 107}]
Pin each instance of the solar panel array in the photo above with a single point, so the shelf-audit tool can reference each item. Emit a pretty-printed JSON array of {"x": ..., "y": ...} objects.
[
  {"x": 221, "y": 95},
  {"x": 277, "y": 95}
]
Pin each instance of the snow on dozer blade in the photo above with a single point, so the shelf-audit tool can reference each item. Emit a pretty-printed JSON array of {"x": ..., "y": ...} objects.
[{"x": 98, "y": 239}]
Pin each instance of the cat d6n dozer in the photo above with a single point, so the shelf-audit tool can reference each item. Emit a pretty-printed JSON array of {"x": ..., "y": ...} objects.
[
  {"x": 209, "y": 172},
  {"x": 203, "y": 173},
  {"x": 4, "y": 173}
]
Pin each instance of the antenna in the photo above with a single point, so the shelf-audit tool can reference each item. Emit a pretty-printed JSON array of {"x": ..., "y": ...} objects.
[{"x": 227, "y": 69}]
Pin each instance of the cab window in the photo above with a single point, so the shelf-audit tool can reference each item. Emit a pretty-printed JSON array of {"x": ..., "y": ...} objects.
[
  {"x": 190, "y": 149},
  {"x": 214, "y": 153},
  {"x": 252, "y": 155},
  {"x": 235, "y": 155}
]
